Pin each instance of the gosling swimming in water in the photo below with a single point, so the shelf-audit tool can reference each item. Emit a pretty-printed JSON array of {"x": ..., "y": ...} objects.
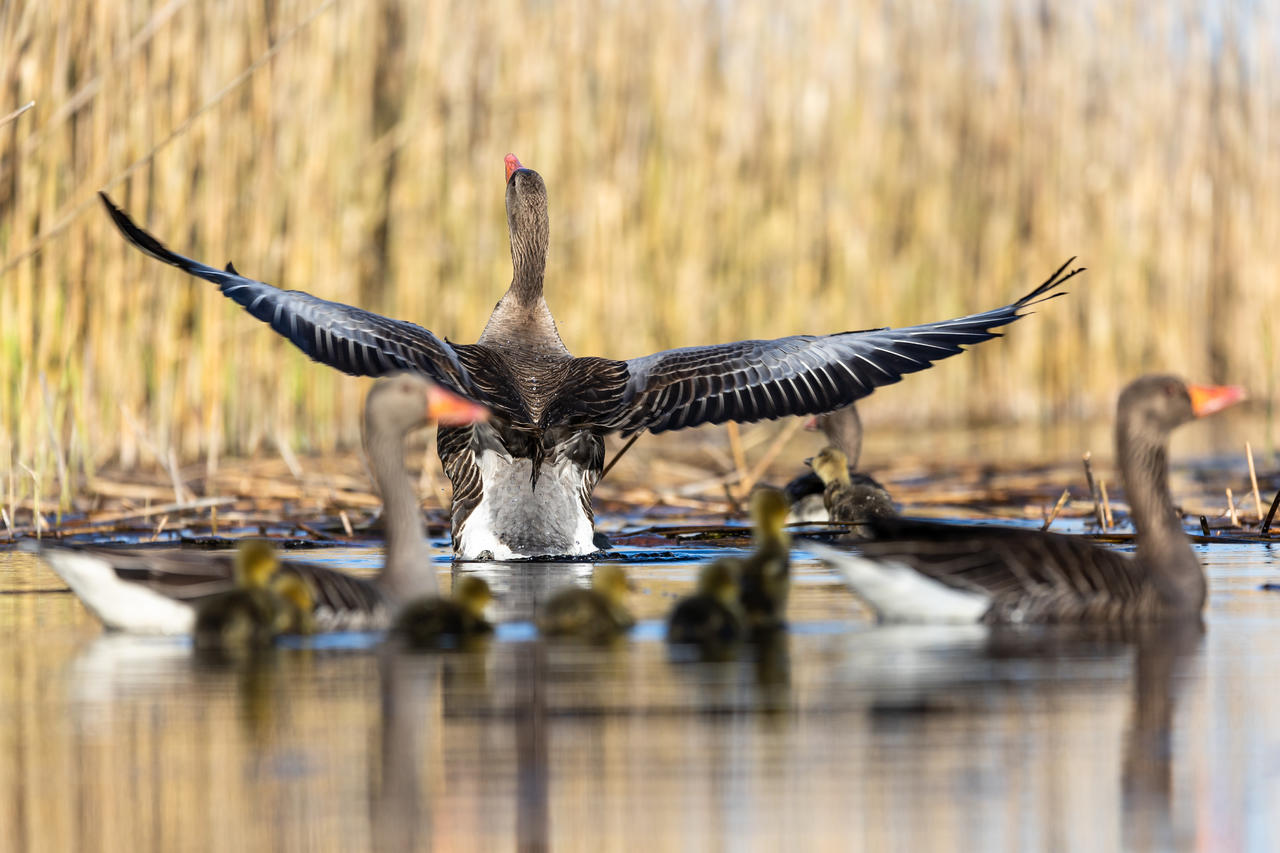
[
  {"x": 712, "y": 616},
  {"x": 596, "y": 615},
  {"x": 436, "y": 622}
]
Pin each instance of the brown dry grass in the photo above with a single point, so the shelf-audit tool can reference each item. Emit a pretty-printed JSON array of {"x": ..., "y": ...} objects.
[{"x": 716, "y": 171}]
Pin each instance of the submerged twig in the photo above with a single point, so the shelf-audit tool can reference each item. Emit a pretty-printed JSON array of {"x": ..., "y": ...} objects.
[{"x": 1057, "y": 508}]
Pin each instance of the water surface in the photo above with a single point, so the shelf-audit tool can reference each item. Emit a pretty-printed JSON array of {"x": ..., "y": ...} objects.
[{"x": 843, "y": 735}]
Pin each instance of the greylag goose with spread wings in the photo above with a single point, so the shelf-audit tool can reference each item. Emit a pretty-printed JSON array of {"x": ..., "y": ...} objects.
[{"x": 522, "y": 481}]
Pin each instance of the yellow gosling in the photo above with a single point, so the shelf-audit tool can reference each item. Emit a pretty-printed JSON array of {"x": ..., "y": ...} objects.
[
  {"x": 435, "y": 622},
  {"x": 712, "y": 617},
  {"x": 595, "y": 615}
]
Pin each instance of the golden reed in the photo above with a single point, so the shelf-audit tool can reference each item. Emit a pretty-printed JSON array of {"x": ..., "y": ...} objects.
[{"x": 716, "y": 170}]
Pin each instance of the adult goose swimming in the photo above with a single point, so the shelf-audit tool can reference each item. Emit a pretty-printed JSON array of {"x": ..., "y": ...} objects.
[
  {"x": 154, "y": 592},
  {"x": 522, "y": 481},
  {"x": 919, "y": 571}
]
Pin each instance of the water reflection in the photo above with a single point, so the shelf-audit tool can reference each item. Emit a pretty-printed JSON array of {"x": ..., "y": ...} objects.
[{"x": 838, "y": 734}]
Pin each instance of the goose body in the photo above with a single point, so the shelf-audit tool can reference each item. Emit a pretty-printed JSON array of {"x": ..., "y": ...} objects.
[
  {"x": 920, "y": 571},
  {"x": 152, "y": 592},
  {"x": 158, "y": 592},
  {"x": 522, "y": 483}
]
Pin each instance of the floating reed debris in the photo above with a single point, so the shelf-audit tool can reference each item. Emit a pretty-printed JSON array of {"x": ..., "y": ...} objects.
[
  {"x": 1253, "y": 479},
  {"x": 1057, "y": 508}
]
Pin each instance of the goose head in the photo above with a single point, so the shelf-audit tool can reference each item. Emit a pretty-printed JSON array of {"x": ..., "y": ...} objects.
[
  {"x": 611, "y": 582},
  {"x": 769, "y": 510},
  {"x": 1153, "y": 406},
  {"x": 843, "y": 429},
  {"x": 255, "y": 564},
  {"x": 527, "y": 223},
  {"x": 831, "y": 465},
  {"x": 719, "y": 580},
  {"x": 404, "y": 402}
]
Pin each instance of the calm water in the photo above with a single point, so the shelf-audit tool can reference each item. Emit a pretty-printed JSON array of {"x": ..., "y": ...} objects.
[{"x": 845, "y": 736}]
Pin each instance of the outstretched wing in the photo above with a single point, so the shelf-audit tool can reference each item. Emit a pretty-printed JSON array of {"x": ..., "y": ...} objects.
[
  {"x": 801, "y": 374},
  {"x": 352, "y": 340}
]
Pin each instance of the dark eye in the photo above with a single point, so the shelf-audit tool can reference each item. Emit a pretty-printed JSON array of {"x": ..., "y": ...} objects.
[{"x": 1171, "y": 390}]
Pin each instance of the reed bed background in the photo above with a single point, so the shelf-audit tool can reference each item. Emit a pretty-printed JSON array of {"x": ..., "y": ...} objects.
[{"x": 716, "y": 170}]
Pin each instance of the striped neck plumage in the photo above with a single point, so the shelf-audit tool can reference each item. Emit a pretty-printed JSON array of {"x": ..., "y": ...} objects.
[
  {"x": 1163, "y": 547},
  {"x": 408, "y": 572}
]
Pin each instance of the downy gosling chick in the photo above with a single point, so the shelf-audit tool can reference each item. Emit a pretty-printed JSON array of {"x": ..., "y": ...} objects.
[
  {"x": 596, "y": 615},
  {"x": 296, "y": 614},
  {"x": 847, "y": 501},
  {"x": 252, "y": 612},
  {"x": 764, "y": 577},
  {"x": 712, "y": 616},
  {"x": 436, "y": 622}
]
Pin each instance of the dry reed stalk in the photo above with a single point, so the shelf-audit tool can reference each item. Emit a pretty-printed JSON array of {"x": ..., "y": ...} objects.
[
  {"x": 19, "y": 111},
  {"x": 804, "y": 204},
  {"x": 781, "y": 440},
  {"x": 1253, "y": 480},
  {"x": 1106, "y": 506},
  {"x": 346, "y": 523},
  {"x": 160, "y": 526},
  {"x": 287, "y": 455},
  {"x": 8, "y": 524},
  {"x": 739, "y": 458},
  {"x": 1093, "y": 489},
  {"x": 1057, "y": 508},
  {"x": 1231, "y": 509}
]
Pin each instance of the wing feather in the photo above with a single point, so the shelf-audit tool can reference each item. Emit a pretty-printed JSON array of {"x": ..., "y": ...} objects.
[{"x": 801, "y": 374}]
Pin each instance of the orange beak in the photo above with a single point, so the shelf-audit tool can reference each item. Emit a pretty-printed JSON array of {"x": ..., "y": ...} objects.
[
  {"x": 448, "y": 409},
  {"x": 1207, "y": 399},
  {"x": 513, "y": 163}
]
